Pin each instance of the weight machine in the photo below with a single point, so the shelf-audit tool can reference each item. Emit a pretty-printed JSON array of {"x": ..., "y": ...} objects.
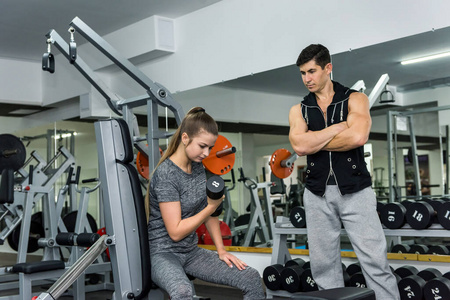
[
  {"x": 125, "y": 221},
  {"x": 36, "y": 185},
  {"x": 261, "y": 216},
  {"x": 27, "y": 232}
]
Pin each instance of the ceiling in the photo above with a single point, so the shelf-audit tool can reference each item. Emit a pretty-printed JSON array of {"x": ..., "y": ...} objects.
[
  {"x": 368, "y": 64},
  {"x": 24, "y": 23}
]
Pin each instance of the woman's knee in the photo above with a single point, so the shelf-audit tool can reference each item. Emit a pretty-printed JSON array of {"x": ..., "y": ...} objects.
[
  {"x": 252, "y": 285},
  {"x": 251, "y": 279},
  {"x": 181, "y": 291}
]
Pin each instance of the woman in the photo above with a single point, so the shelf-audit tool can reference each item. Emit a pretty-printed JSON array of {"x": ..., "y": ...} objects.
[{"x": 178, "y": 206}]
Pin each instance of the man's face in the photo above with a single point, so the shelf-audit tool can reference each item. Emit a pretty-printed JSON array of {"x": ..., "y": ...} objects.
[{"x": 313, "y": 76}]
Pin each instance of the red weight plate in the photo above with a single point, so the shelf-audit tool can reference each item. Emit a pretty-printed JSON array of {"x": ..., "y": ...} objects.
[
  {"x": 220, "y": 165},
  {"x": 142, "y": 163},
  {"x": 275, "y": 163}
]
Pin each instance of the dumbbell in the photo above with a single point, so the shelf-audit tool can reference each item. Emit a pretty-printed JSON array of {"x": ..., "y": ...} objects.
[
  {"x": 356, "y": 276},
  {"x": 437, "y": 288},
  {"x": 272, "y": 276},
  {"x": 357, "y": 280},
  {"x": 421, "y": 214},
  {"x": 275, "y": 277},
  {"x": 309, "y": 284},
  {"x": 291, "y": 275},
  {"x": 412, "y": 287},
  {"x": 353, "y": 268},
  {"x": 406, "y": 203},
  {"x": 421, "y": 249},
  {"x": 406, "y": 271},
  {"x": 215, "y": 188},
  {"x": 392, "y": 215},
  {"x": 400, "y": 248},
  {"x": 307, "y": 281},
  {"x": 418, "y": 249},
  {"x": 438, "y": 249},
  {"x": 443, "y": 215},
  {"x": 298, "y": 217}
]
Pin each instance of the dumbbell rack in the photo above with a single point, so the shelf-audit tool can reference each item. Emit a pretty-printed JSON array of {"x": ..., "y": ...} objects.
[{"x": 283, "y": 228}]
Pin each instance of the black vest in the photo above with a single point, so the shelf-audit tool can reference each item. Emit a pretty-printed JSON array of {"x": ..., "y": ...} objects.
[{"x": 348, "y": 167}]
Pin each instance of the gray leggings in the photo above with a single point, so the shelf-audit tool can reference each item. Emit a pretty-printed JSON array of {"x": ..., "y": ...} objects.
[
  {"x": 357, "y": 212},
  {"x": 169, "y": 273}
]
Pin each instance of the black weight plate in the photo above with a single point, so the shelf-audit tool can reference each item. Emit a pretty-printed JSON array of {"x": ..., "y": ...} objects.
[
  {"x": 307, "y": 265},
  {"x": 419, "y": 249},
  {"x": 393, "y": 215},
  {"x": 429, "y": 273},
  {"x": 438, "y": 288},
  {"x": 242, "y": 220},
  {"x": 353, "y": 268},
  {"x": 297, "y": 217},
  {"x": 272, "y": 277},
  {"x": 307, "y": 281},
  {"x": 411, "y": 287},
  {"x": 420, "y": 215},
  {"x": 400, "y": 248},
  {"x": 12, "y": 152},
  {"x": 70, "y": 219},
  {"x": 290, "y": 278},
  {"x": 36, "y": 232},
  {"x": 446, "y": 275},
  {"x": 438, "y": 249},
  {"x": 37, "y": 217},
  {"x": 346, "y": 279},
  {"x": 215, "y": 187},
  {"x": 295, "y": 262},
  {"x": 406, "y": 271},
  {"x": 358, "y": 280},
  {"x": 406, "y": 203},
  {"x": 436, "y": 204},
  {"x": 380, "y": 206},
  {"x": 426, "y": 199},
  {"x": 444, "y": 215}
]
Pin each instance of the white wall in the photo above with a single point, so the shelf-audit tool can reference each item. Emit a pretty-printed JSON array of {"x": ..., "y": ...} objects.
[
  {"x": 20, "y": 82},
  {"x": 236, "y": 38}
]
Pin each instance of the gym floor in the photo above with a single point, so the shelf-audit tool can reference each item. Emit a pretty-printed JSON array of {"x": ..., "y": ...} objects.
[{"x": 203, "y": 289}]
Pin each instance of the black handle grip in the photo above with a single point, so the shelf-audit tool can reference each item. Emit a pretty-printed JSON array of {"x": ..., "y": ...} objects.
[
  {"x": 89, "y": 180},
  {"x": 77, "y": 178}
]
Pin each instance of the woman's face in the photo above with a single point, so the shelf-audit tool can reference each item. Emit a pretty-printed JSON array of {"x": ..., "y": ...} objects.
[{"x": 198, "y": 147}]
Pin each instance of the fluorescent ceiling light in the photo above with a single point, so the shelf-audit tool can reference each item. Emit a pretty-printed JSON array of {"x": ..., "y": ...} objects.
[
  {"x": 425, "y": 58},
  {"x": 23, "y": 111}
]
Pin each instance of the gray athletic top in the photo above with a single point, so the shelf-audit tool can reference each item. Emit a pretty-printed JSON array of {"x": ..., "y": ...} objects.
[{"x": 168, "y": 184}]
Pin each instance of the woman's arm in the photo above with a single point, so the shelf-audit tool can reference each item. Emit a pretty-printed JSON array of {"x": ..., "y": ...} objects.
[
  {"x": 180, "y": 228},
  {"x": 213, "y": 226}
]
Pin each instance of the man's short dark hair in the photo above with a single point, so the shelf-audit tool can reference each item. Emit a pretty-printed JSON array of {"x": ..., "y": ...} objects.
[{"x": 316, "y": 52}]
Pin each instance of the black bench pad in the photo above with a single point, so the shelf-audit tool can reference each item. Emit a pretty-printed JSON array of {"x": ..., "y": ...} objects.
[{"x": 38, "y": 266}]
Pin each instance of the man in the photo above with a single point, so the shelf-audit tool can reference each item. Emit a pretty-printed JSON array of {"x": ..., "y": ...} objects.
[{"x": 330, "y": 127}]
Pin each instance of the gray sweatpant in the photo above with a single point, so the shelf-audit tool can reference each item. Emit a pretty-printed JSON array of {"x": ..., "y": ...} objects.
[
  {"x": 169, "y": 273},
  {"x": 358, "y": 214}
]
